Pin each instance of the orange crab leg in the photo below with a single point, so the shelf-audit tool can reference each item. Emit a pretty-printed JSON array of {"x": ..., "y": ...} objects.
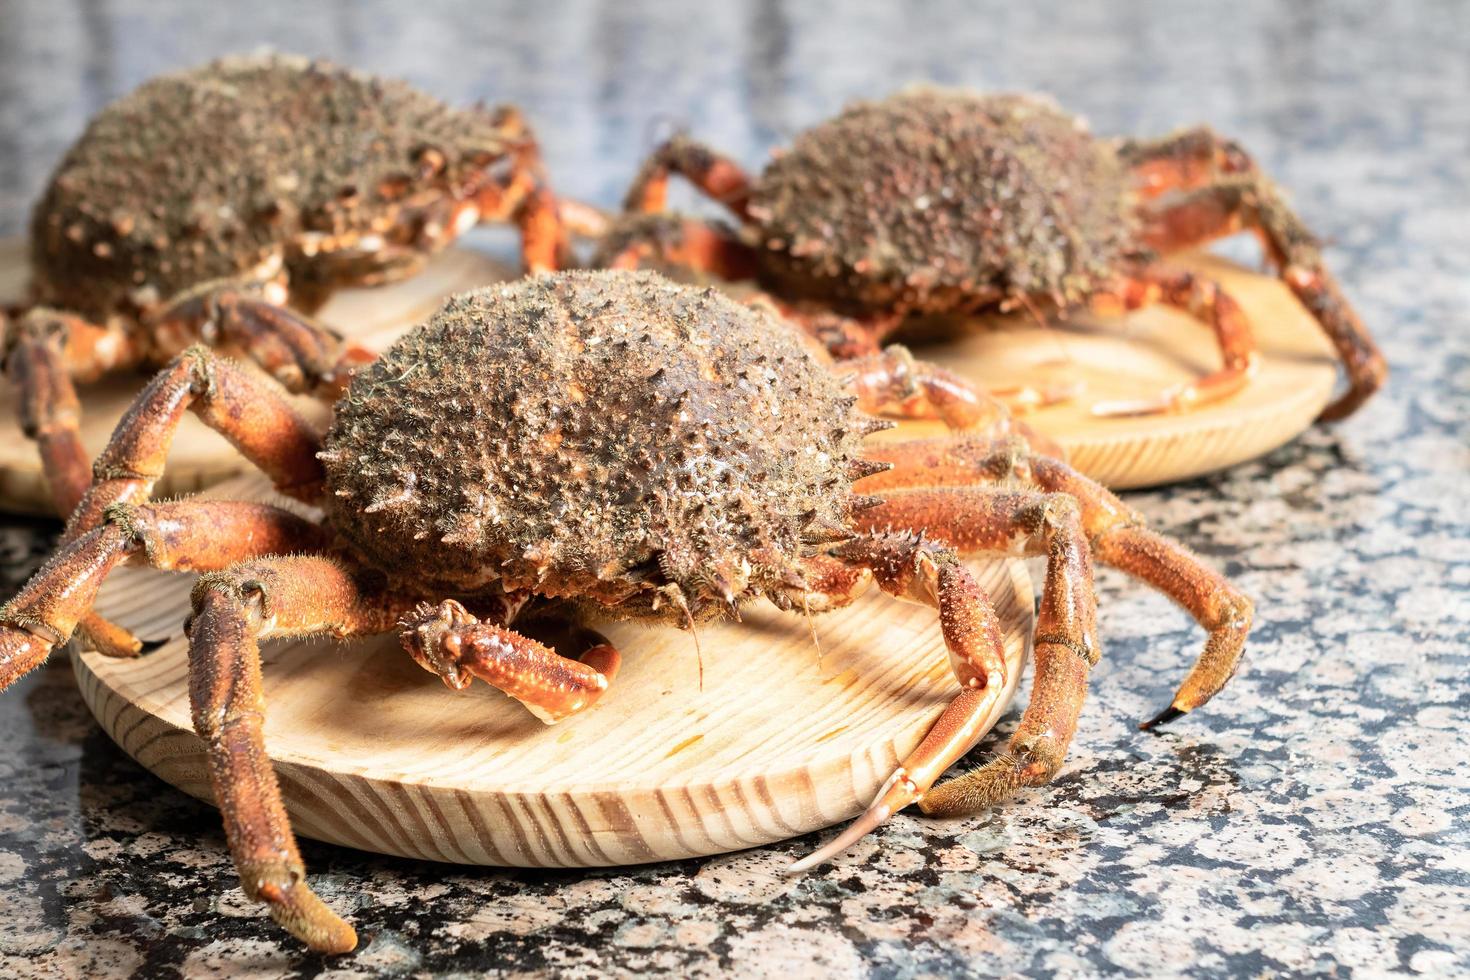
[
  {"x": 303, "y": 355},
  {"x": 909, "y": 567},
  {"x": 449, "y": 641},
  {"x": 542, "y": 236},
  {"x": 1116, "y": 532},
  {"x": 687, "y": 244},
  {"x": 184, "y": 536},
  {"x": 999, "y": 522},
  {"x": 1202, "y": 298},
  {"x": 233, "y": 611},
  {"x": 717, "y": 176},
  {"x": 1251, "y": 202},
  {"x": 243, "y": 407},
  {"x": 48, "y": 352},
  {"x": 1182, "y": 161}
]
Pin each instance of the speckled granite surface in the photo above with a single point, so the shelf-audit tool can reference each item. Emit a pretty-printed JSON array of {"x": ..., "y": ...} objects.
[{"x": 1312, "y": 820}]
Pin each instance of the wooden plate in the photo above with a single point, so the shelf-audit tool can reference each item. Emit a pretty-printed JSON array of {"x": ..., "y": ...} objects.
[
  {"x": 375, "y": 753},
  {"x": 200, "y": 457},
  {"x": 1142, "y": 354}
]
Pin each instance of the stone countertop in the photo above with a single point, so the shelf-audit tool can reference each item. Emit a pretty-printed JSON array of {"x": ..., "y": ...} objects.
[{"x": 1313, "y": 819}]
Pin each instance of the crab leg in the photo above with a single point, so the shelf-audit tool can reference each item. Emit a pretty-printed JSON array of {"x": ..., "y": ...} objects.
[
  {"x": 1184, "y": 160},
  {"x": 48, "y": 352},
  {"x": 542, "y": 237},
  {"x": 999, "y": 522},
  {"x": 1252, "y": 202},
  {"x": 1115, "y": 531},
  {"x": 184, "y": 536},
  {"x": 909, "y": 567},
  {"x": 686, "y": 244},
  {"x": 233, "y": 611},
  {"x": 717, "y": 176},
  {"x": 300, "y": 353},
  {"x": 448, "y": 640},
  {"x": 1202, "y": 298},
  {"x": 247, "y": 410}
]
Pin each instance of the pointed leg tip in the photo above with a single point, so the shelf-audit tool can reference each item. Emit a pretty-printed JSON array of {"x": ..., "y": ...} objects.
[
  {"x": 1162, "y": 718},
  {"x": 148, "y": 646}
]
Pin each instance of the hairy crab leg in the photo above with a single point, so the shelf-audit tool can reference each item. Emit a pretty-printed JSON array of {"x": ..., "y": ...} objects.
[
  {"x": 1018, "y": 522},
  {"x": 234, "y": 609},
  {"x": 48, "y": 351},
  {"x": 1117, "y": 533},
  {"x": 247, "y": 410},
  {"x": 1202, "y": 298},
  {"x": 449, "y": 641},
  {"x": 1252, "y": 202},
  {"x": 183, "y": 536},
  {"x": 715, "y": 175},
  {"x": 909, "y": 567}
]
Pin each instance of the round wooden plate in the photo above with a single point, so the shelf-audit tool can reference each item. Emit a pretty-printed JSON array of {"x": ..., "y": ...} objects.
[
  {"x": 1142, "y": 354},
  {"x": 375, "y": 753},
  {"x": 200, "y": 457}
]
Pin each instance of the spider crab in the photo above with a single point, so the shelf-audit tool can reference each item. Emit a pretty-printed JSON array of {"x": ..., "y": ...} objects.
[
  {"x": 195, "y": 208},
  {"x": 594, "y": 444},
  {"x": 936, "y": 202}
]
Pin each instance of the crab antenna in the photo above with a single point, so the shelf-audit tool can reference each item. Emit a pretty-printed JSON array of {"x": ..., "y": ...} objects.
[
  {"x": 811, "y": 625},
  {"x": 689, "y": 620}
]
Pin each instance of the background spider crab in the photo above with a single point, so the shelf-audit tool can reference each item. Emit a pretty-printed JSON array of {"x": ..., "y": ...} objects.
[
  {"x": 593, "y": 444},
  {"x": 938, "y": 201},
  {"x": 194, "y": 208}
]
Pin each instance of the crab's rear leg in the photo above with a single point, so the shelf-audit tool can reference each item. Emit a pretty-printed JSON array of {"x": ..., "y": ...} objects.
[
  {"x": 664, "y": 241},
  {"x": 1251, "y": 202},
  {"x": 46, "y": 352},
  {"x": 909, "y": 567},
  {"x": 233, "y": 610},
  {"x": 717, "y": 176},
  {"x": 1118, "y": 536},
  {"x": 1202, "y": 298},
  {"x": 1016, "y": 523},
  {"x": 449, "y": 641}
]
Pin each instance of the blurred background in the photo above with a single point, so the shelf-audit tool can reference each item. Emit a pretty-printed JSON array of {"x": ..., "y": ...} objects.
[{"x": 602, "y": 79}]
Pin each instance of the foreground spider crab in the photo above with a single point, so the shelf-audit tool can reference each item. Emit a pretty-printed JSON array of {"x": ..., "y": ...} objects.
[
  {"x": 939, "y": 201},
  {"x": 192, "y": 209},
  {"x": 629, "y": 447}
]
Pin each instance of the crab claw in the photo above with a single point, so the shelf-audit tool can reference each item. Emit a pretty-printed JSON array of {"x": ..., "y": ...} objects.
[{"x": 896, "y": 794}]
